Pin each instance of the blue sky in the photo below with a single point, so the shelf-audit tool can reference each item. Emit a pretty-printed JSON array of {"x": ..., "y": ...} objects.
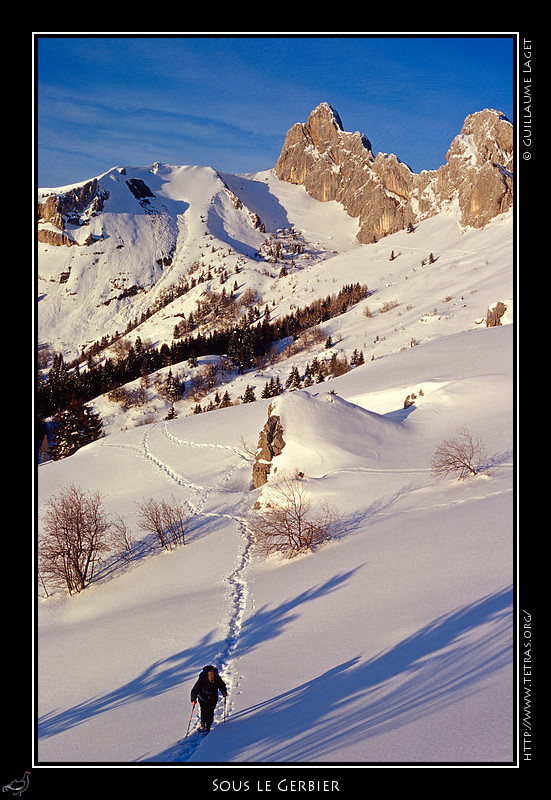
[{"x": 228, "y": 101}]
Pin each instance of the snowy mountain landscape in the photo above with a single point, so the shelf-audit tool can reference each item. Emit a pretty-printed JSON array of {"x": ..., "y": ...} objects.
[{"x": 392, "y": 641}]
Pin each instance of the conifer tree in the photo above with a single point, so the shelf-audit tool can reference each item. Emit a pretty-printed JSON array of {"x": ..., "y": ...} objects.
[
  {"x": 307, "y": 378},
  {"x": 293, "y": 381},
  {"x": 76, "y": 426},
  {"x": 172, "y": 387},
  {"x": 226, "y": 400},
  {"x": 357, "y": 358},
  {"x": 249, "y": 395}
]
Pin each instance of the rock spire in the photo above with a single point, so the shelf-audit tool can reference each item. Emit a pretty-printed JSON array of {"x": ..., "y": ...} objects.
[{"x": 383, "y": 192}]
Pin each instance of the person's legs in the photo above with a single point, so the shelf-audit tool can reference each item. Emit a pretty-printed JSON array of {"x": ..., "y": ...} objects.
[
  {"x": 202, "y": 707},
  {"x": 207, "y": 714}
]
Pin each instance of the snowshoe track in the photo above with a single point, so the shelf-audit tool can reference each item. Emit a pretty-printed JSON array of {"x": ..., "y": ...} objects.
[{"x": 196, "y": 498}]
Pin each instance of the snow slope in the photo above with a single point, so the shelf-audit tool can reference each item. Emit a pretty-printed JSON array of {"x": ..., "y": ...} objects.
[
  {"x": 393, "y": 643},
  {"x": 194, "y": 221}
]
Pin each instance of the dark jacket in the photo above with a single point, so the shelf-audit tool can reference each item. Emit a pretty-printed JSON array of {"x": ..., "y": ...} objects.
[{"x": 204, "y": 690}]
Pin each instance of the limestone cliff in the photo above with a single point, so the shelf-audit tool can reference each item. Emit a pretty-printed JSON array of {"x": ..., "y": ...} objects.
[
  {"x": 73, "y": 207},
  {"x": 383, "y": 192}
]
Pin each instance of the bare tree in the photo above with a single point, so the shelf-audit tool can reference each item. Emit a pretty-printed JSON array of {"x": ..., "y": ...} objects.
[
  {"x": 75, "y": 534},
  {"x": 288, "y": 525},
  {"x": 168, "y": 520},
  {"x": 462, "y": 455},
  {"x": 121, "y": 537}
]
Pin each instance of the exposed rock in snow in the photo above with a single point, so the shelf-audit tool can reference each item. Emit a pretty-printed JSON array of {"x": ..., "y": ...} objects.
[
  {"x": 270, "y": 444},
  {"x": 383, "y": 192}
]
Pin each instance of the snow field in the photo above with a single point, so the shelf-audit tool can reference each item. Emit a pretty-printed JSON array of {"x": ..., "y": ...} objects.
[
  {"x": 393, "y": 643},
  {"x": 385, "y": 645}
]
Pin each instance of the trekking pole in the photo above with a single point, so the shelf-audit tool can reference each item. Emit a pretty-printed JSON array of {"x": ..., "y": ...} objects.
[
  {"x": 224, "y": 708},
  {"x": 190, "y": 716}
]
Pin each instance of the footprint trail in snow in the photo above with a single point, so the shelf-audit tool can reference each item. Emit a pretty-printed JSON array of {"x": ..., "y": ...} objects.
[{"x": 196, "y": 499}]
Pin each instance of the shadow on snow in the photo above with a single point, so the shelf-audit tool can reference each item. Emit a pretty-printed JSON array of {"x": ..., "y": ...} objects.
[
  {"x": 440, "y": 664},
  {"x": 183, "y": 667}
]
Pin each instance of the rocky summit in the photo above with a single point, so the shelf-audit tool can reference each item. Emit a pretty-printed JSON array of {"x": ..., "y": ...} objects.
[
  {"x": 115, "y": 251},
  {"x": 383, "y": 192}
]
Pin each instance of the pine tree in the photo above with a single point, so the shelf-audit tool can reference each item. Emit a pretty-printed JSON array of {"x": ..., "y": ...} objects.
[
  {"x": 44, "y": 450},
  {"x": 294, "y": 379},
  {"x": 226, "y": 400},
  {"x": 249, "y": 395},
  {"x": 171, "y": 387},
  {"x": 357, "y": 358},
  {"x": 307, "y": 377},
  {"x": 76, "y": 426}
]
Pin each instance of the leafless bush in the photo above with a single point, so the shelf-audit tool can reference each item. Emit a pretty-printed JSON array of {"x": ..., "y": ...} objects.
[
  {"x": 120, "y": 348},
  {"x": 248, "y": 449},
  {"x": 249, "y": 298},
  {"x": 122, "y": 538},
  {"x": 288, "y": 525},
  {"x": 204, "y": 381},
  {"x": 128, "y": 397},
  {"x": 75, "y": 534},
  {"x": 169, "y": 521},
  {"x": 462, "y": 455}
]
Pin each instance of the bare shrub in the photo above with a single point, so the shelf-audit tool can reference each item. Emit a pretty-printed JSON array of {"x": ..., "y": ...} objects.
[
  {"x": 122, "y": 538},
  {"x": 75, "y": 534},
  {"x": 288, "y": 525},
  {"x": 169, "y": 521},
  {"x": 304, "y": 342},
  {"x": 462, "y": 455},
  {"x": 128, "y": 397},
  {"x": 205, "y": 380},
  {"x": 249, "y": 298}
]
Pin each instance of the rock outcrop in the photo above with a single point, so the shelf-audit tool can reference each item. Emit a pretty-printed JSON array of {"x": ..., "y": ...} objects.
[
  {"x": 53, "y": 237},
  {"x": 495, "y": 313},
  {"x": 383, "y": 192},
  {"x": 270, "y": 444},
  {"x": 74, "y": 207}
]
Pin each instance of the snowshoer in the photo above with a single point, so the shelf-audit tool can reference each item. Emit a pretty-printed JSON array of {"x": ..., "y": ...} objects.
[{"x": 206, "y": 689}]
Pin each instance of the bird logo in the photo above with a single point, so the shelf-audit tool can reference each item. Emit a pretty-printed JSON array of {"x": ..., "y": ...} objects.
[{"x": 17, "y": 787}]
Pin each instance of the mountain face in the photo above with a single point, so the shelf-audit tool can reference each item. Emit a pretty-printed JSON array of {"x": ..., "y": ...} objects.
[
  {"x": 116, "y": 249},
  {"x": 382, "y": 192},
  {"x": 112, "y": 250}
]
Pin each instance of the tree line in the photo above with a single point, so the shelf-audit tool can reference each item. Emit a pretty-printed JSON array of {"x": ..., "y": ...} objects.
[{"x": 250, "y": 338}]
